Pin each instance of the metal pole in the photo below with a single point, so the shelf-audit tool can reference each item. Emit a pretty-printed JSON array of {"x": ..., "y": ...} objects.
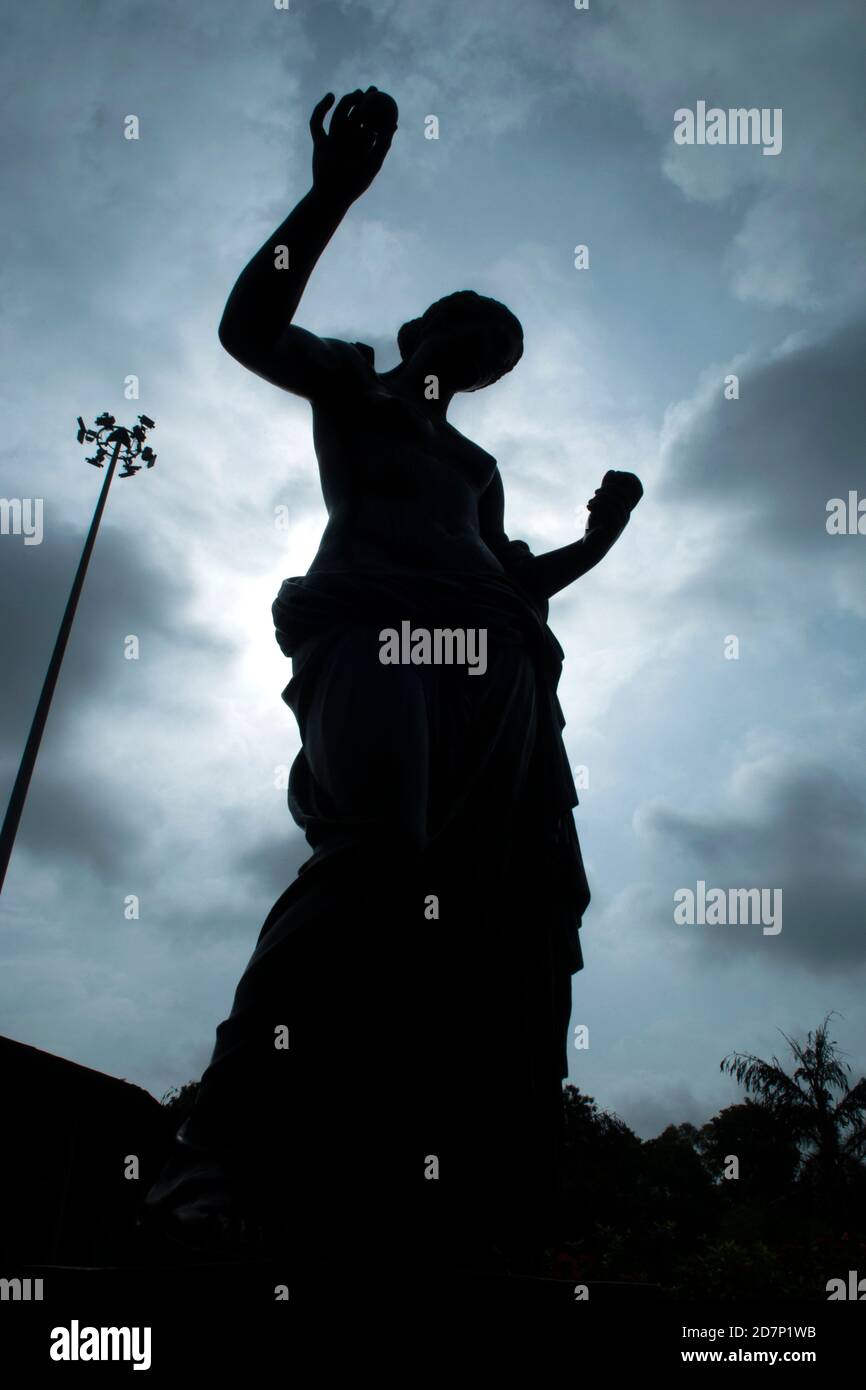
[{"x": 34, "y": 738}]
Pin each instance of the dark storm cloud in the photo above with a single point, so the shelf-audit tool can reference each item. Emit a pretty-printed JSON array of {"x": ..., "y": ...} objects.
[
  {"x": 125, "y": 592},
  {"x": 651, "y": 1110},
  {"x": 78, "y": 820},
  {"x": 274, "y": 863},
  {"x": 802, "y": 830},
  {"x": 556, "y": 127},
  {"x": 75, "y": 810},
  {"x": 776, "y": 456}
]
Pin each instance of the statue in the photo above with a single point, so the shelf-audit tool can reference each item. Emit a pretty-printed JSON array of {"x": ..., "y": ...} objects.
[{"x": 389, "y": 1081}]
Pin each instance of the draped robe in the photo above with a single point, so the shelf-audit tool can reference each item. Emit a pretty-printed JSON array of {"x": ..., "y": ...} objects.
[{"x": 420, "y": 964}]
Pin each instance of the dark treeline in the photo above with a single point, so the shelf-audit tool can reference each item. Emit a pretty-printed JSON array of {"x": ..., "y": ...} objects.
[{"x": 767, "y": 1198}]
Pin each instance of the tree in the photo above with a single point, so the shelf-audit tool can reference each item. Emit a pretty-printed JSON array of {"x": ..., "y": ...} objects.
[
  {"x": 673, "y": 1167},
  {"x": 769, "y": 1158},
  {"x": 830, "y": 1131},
  {"x": 601, "y": 1163},
  {"x": 179, "y": 1101}
]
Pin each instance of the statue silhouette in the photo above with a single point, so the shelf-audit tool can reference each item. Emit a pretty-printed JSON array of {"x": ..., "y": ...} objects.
[{"x": 390, "y": 1076}]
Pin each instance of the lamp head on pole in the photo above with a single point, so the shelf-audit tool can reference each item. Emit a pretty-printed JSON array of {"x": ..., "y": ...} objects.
[{"x": 107, "y": 435}]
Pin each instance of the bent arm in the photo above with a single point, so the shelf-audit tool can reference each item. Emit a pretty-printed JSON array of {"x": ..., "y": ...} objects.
[
  {"x": 545, "y": 575},
  {"x": 558, "y": 568},
  {"x": 256, "y": 327}
]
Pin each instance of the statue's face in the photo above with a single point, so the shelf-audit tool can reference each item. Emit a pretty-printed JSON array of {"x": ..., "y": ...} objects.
[{"x": 467, "y": 353}]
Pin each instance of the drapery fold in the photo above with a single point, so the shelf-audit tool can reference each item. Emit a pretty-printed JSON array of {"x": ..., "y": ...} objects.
[
  {"x": 413, "y": 1036},
  {"x": 312, "y": 613}
]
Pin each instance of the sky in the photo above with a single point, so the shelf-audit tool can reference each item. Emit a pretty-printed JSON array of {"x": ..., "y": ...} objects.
[{"x": 164, "y": 777}]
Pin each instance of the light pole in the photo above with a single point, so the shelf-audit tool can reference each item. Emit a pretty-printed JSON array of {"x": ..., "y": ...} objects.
[{"x": 124, "y": 446}]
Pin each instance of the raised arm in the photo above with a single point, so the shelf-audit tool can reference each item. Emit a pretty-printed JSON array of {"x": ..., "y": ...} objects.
[
  {"x": 256, "y": 326},
  {"x": 545, "y": 575}
]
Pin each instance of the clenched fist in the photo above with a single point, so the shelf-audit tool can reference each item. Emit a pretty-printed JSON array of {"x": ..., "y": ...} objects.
[
  {"x": 347, "y": 157},
  {"x": 614, "y": 500}
]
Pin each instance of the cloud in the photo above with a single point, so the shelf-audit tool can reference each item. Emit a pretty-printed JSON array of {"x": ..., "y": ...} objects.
[
  {"x": 274, "y": 863},
  {"x": 157, "y": 777},
  {"x": 648, "y": 1108},
  {"x": 783, "y": 823},
  {"x": 801, "y": 239},
  {"x": 474, "y": 66},
  {"x": 126, "y": 591},
  {"x": 80, "y": 820},
  {"x": 80, "y": 806},
  {"x": 766, "y": 465}
]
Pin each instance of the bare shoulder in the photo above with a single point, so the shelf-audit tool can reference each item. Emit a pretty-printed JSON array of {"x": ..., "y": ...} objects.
[{"x": 319, "y": 369}]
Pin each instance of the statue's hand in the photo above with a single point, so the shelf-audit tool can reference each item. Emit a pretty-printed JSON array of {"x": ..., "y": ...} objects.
[
  {"x": 348, "y": 157},
  {"x": 613, "y": 501}
]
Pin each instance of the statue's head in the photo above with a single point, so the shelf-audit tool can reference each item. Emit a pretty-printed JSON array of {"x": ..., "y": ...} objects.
[{"x": 467, "y": 339}]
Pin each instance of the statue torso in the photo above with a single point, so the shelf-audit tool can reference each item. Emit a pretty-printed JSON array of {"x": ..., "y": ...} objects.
[{"x": 401, "y": 488}]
